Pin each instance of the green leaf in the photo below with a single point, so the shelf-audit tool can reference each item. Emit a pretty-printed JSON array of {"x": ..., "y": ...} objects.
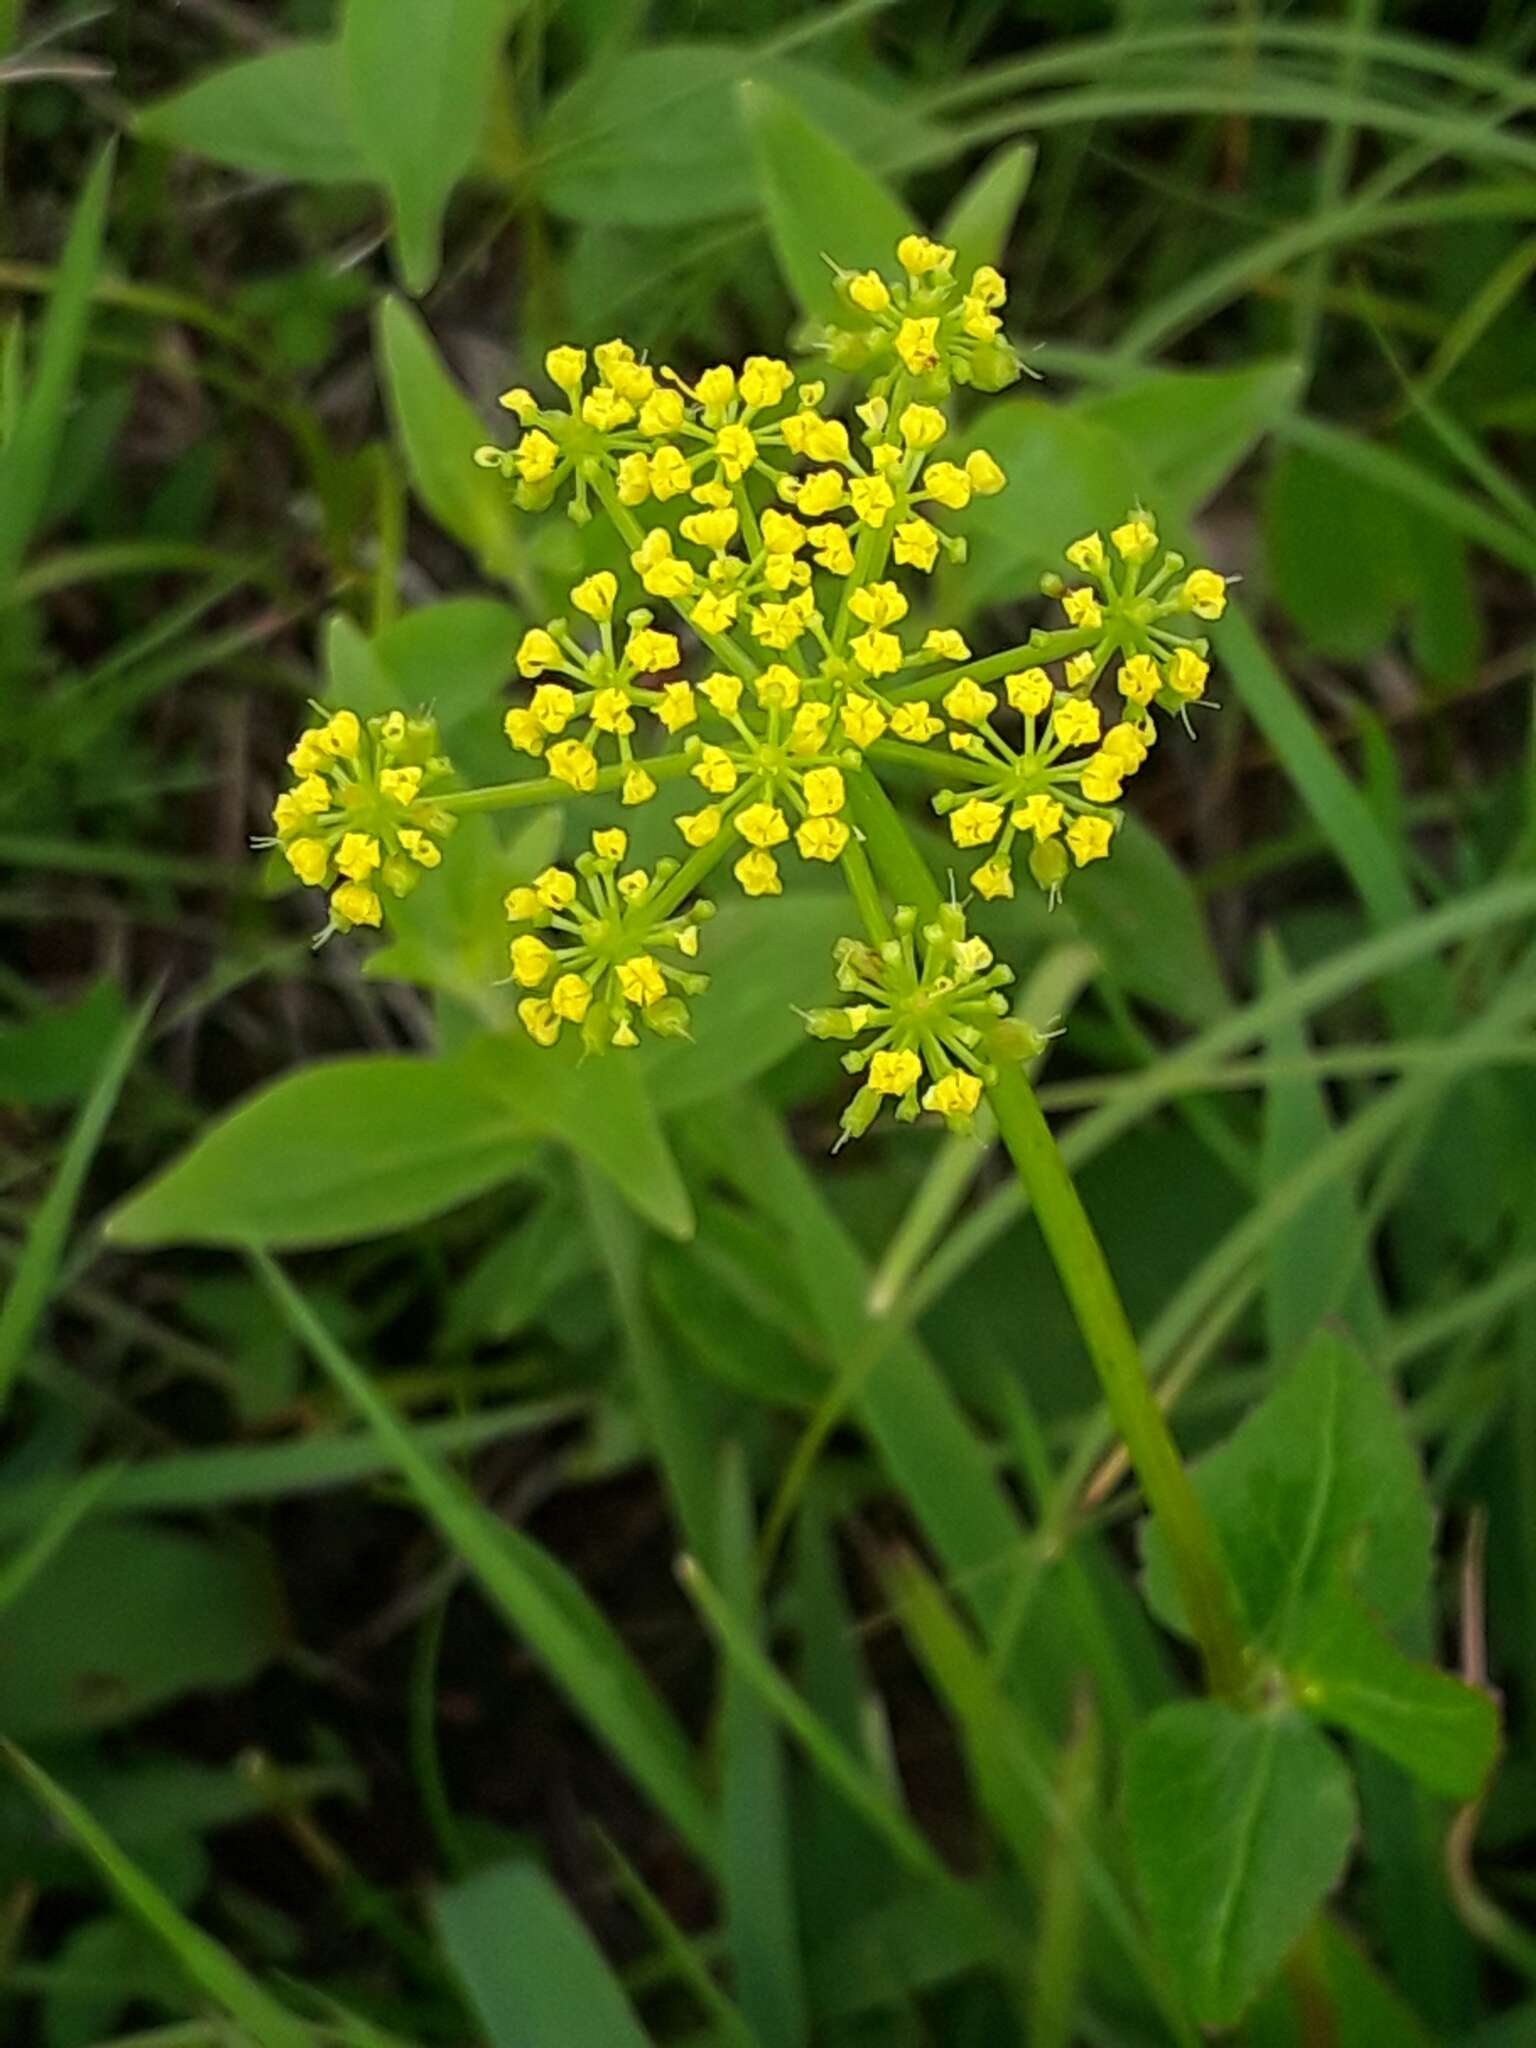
[
  {"x": 30, "y": 453},
  {"x": 1346, "y": 1672},
  {"x": 206, "y": 1963},
  {"x": 1320, "y": 1476},
  {"x": 439, "y": 431},
  {"x": 419, "y": 76},
  {"x": 53, "y": 1057},
  {"x": 657, "y": 137},
  {"x": 535, "y": 1977},
  {"x": 1067, "y": 472},
  {"x": 600, "y": 1108},
  {"x": 1193, "y": 427},
  {"x": 279, "y": 115},
  {"x": 343, "y": 1150},
  {"x": 978, "y": 225},
  {"x": 820, "y": 201},
  {"x": 1240, "y": 1825},
  {"x": 124, "y": 1617}
]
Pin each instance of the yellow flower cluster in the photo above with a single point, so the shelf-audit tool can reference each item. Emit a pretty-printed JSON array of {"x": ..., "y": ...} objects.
[
  {"x": 591, "y": 959},
  {"x": 1052, "y": 786},
  {"x": 360, "y": 819},
  {"x": 935, "y": 331},
  {"x": 928, "y": 1008}
]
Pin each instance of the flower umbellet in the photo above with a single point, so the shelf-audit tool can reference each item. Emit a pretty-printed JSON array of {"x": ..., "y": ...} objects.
[{"x": 768, "y": 641}]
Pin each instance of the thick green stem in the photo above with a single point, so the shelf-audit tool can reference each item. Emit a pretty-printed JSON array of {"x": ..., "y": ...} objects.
[
  {"x": 1090, "y": 1288},
  {"x": 548, "y": 789}
]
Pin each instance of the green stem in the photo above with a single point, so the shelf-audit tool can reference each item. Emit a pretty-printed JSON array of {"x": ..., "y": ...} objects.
[
  {"x": 1090, "y": 1288},
  {"x": 1038, "y": 649},
  {"x": 548, "y": 789},
  {"x": 864, "y": 890}
]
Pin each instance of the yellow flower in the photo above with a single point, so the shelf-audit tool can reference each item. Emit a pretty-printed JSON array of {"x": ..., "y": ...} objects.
[
  {"x": 714, "y": 528},
  {"x": 536, "y": 457},
  {"x": 524, "y": 731},
  {"x": 869, "y": 292},
  {"x": 566, "y": 367},
  {"x": 716, "y": 611},
  {"x": 1139, "y": 679},
  {"x": 993, "y": 879},
  {"x": 612, "y": 844},
  {"x": 521, "y": 904},
  {"x": 1087, "y": 554},
  {"x": 1030, "y": 691},
  {"x": 309, "y": 859},
  {"x": 520, "y": 403},
  {"x": 700, "y": 827},
  {"x": 723, "y": 692},
  {"x": 1082, "y": 607},
  {"x": 948, "y": 485},
  {"x": 400, "y": 784},
  {"x": 975, "y": 822},
  {"x": 571, "y": 762},
  {"x": 764, "y": 380},
  {"x": 342, "y": 735},
  {"x": 1080, "y": 668},
  {"x": 539, "y": 1020},
  {"x": 986, "y": 476},
  {"x": 821, "y": 838},
  {"x": 555, "y": 889},
  {"x": 778, "y": 625},
  {"x": 988, "y": 285},
  {"x": 915, "y": 722},
  {"x": 717, "y": 387},
  {"x": 808, "y": 733},
  {"x": 553, "y": 705},
  {"x": 1075, "y": 723},
  {"x": 777, "y": 688},
  {"x": 649, "y": 650},
  {"x": 538, "y": 651},
  {"x": 736, "y": 448},
  {"x": 1101, "y": 778},
  {"x": 1129, "y": 744},
  {"x": 878, "y": 604},
  {"x": 634, "y": 479},
  {"x": 674, "y": 706},
  {"x": 822, "y": 491},
  {"x": 878, "y": 654},
  {"x": 531, "y": 960},
  {"x": 955, "y": 1095},
  {"x": 641, "y": 980},
  {"x": 611, "y": 713},
  {"x": 893, "y": 1073},
  {"x": 715, "y": 771},
  {"x": 1205, "y": 593},
  {"x": 661, "y": 572},
  {"x": 917, "y": 343},
  {"x": 758, "y": 874},
  {"x": 915, "y": 544},
  {"x": 1089, "y": 839},
  {"x": 595, "y": 594},
  {"x": 355, "y": 903},
  {"x": 1187, "y": 674},
  {"x": 833, "y": 552},
  {"x": 820, "y": 440},
  {"x": 662, "y": 413},
  {"x": 862, "y": 720},
  {"x": 424, "y": 851},
  {"x": 358, "y": 855},
  {"x": 638, "y": 787},
  {"x": 762, "y": 825},
  {"x": 918, "y": 256},
  {"x": 571, "y": 998},
  {"x": 668, "y": 473},
  {"x": 606, "y": 410},
  {"x": 947, "y": 644},
  {"x": 920, "y": 426},
  {"x": 872, "y": 499},
  {"x": 1136, "y": 540},
  {"x": 969, "y": 703},
  {"x": 824, "y": 792}
]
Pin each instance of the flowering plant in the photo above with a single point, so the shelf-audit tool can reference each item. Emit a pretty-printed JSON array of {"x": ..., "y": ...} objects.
[{"x": 789, "y": 550}]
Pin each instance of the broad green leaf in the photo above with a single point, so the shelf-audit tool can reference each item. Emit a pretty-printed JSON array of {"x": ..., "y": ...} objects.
[
  {"x": 1348, "y": 1673},
  {"x": 342, "y": 1150},
  {"x": 53, "y": 1056},
  {"x": 600, "y": 1108},
  {"x": 32, "y": 441},
  {"x": 418, "y": 77},
  {"x": 124, "y": 1617},
  {"x": 280, "y": 115},
  {"x": 533, "y": 1592},
  {"x": 978, "y": 225},
  {"x": 658, "y": 139},
  {"x": 1067, "y": 473},
  {"x": 1240, "y": 1826},
  {"x": 1317, "y": 1262},
  {"x": 1192, "y": 428},
  {"x": 820, "y": 201},
  {"x": 1320, "y": 1477},
  {"x": 534, "y": 1975},
  {"x": 439, "y": 431},
  {"x": 208, "y": 1965},
  {"x": 453, "y": 658}
]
